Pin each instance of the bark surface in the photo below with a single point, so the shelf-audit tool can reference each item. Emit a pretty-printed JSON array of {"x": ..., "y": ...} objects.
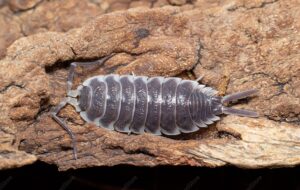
[{"x": 235, "y": 45}]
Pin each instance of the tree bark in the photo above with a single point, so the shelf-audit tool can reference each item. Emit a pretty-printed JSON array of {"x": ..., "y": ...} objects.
[{"x": 235, "y": 45}]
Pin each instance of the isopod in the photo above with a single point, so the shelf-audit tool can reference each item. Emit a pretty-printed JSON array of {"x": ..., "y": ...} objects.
[{"x": 138, "y": 104}]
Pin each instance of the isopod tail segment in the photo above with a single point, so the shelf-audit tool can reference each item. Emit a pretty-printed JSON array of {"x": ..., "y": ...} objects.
[
  {"x": 221, "y": 109},
  {"x": 71, "y": 98}
]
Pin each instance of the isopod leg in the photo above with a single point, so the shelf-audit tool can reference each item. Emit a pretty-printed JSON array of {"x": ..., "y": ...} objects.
[
  {"x": 54, "y": 112},
  {"x": 199, "y": 78},
  {"x": 83, "y": 64}
]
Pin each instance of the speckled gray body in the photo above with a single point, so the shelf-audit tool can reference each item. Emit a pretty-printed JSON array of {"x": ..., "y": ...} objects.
[
  {"x": 156, "y": 105},
  {"x": 139, "y": 104}
]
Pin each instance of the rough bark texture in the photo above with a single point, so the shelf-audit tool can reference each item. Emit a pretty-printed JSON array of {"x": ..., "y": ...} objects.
[{"x": 235, "y": 45}]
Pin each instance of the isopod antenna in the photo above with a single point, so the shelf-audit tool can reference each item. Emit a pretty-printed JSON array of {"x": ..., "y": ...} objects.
[
  {"x": 237, "y": 96},
  {"x": 71, "y": 99}
]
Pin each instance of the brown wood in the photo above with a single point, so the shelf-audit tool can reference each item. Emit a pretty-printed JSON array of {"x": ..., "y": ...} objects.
[{"x": 235, "y": 45}]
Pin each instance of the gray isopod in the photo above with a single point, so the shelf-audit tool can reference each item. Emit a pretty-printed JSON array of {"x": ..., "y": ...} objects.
[{"x": 138, "y": 104}]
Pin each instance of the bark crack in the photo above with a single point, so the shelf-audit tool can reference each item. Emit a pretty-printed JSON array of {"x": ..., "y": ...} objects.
[
  {"x": 262, "y": 5},
  {"x": 12, "y": 84},
  {"x": 27, "y": 9}
]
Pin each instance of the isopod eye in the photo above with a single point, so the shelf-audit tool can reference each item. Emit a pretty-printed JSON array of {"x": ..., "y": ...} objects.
[{"x": 84, "y": 98}]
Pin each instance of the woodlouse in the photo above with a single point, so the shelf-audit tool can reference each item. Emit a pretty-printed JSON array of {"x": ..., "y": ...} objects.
[{"x": 157, "y": 105}]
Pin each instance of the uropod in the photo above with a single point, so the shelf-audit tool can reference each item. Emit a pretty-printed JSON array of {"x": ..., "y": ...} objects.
[{"x": 138, "y": 104}]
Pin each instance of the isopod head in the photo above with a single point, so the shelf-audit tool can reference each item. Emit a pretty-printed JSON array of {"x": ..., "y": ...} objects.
[{"x": 84, "y": 97}]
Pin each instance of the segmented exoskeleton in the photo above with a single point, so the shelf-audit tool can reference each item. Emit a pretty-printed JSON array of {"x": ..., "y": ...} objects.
[{"x": 138, "y": 104}]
